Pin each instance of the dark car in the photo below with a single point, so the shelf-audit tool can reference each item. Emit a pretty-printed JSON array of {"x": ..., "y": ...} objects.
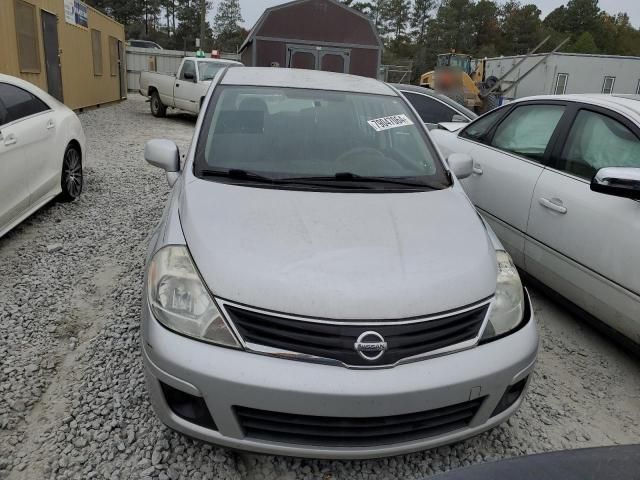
[
  {"x": 434, "y": 107},
  {"x": 144, "y": 44}
]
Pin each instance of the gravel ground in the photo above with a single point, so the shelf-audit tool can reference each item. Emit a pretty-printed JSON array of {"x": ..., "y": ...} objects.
[{"x": 72, "y": 397}]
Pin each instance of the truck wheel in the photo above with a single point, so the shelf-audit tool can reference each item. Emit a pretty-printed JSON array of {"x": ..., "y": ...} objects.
[{"x": 157, "y": 107}]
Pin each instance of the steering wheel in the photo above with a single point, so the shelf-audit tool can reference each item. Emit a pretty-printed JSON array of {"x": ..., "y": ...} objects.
[{"x": 352, "y": 159}]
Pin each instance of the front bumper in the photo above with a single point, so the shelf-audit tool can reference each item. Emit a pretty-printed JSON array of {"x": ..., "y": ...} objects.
[{"x": 227, "y": 378}]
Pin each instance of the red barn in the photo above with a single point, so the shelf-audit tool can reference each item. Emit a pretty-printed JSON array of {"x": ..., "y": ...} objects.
[{"x": 314, "y": 34}]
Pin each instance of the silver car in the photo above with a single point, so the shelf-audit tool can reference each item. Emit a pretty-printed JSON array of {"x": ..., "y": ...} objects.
[{"x": 319, "y": 284}]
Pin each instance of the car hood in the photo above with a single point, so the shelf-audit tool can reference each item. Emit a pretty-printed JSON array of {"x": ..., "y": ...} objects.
[{"x": 338, "y": 255}]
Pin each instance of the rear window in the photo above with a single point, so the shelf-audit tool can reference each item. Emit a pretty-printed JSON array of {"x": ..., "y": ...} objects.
[
  {"x": 208, "y": 70},
  {"x": 290, "y": 132}
]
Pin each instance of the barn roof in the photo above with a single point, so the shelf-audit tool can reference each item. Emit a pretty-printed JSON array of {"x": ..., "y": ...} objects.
[{"x": 254, "y": 30}]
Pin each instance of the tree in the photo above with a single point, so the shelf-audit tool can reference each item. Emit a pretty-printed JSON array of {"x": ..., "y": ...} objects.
[
  {"x": 226, "y": 26},
  {"x": 581, "y": 16},
  {"x": 584, "y": 44},
  {"x": 452, "y": 29},
  {"x": 362, "y": 7},
  {"x": 188, "y": 15},
  {"x": 420, "y": 16},
  {"x": 521, "y": 28},
  {"x": 396, "y": 16},
  {"x": 485, "y": 27},
  {"x": 557, "y": 19}
]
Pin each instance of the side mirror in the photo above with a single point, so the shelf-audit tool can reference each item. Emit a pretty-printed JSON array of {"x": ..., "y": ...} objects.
[
  {"x": 459, "y": 119},
  {"x": 189, "y": 76},
  {"x": 164, "y": 154},
  {"x": 461, "y": 164},
  {"x": 617, "y": 181}
]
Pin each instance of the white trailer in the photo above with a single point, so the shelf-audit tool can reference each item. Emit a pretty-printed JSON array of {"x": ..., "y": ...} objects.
[{"x": 567, "y": 73}]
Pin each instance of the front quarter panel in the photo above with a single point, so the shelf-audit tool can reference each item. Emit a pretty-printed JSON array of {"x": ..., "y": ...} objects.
[{"x": 168, "y": 230}]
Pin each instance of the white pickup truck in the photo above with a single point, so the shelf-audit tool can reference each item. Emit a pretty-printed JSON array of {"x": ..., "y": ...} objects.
[{"x": 185, "y": 90}]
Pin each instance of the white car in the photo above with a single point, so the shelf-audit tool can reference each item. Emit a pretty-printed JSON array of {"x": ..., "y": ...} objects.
[
  {"x": 558, "y": 179},
  {"x": 41, "y": 151},
  {"x": 185, "y": 90}
]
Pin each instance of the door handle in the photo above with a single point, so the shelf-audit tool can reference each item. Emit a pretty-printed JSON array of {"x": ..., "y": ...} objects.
[
  {"x": 50, "y": 124},
  {"x": 10, "y": 139},
  {"x": 177, "y": 85},
  {"x": 477, "y": 169},
  {"x": 554, "y": 204}
]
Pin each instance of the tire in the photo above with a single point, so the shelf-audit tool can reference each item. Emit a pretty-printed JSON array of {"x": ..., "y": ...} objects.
[
  {"x": 158, "y": 109},
  {"x": 490, "y": 82},
  {"x": 71, "y": 179}
]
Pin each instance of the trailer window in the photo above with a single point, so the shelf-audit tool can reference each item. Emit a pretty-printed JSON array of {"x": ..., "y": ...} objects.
[
  {"x": 96, "y": 48},
  {"x": 27, "y": 37},
  {"x": 607, "y": 85},
  {"x": 113, "y": 56},
  {"x": 561, "y": 83}
]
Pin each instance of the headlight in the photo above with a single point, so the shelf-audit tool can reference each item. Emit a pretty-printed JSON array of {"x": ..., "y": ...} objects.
[
  {"x": 180, "y": 301},
  {"x": 507, "y": 310}
]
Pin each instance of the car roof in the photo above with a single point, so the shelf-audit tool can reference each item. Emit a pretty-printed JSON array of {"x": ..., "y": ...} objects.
[
  {"x": 212, "y": 60},
  {"x": 627, "y": 104},
  {"x": 299, "y": 78},
  {"x": 432, "y": 93}
]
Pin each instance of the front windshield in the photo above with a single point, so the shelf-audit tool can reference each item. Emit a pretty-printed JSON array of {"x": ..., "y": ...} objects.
[
  {"x": 208, "y": 70},
  {"x": 288, "y": 132}
]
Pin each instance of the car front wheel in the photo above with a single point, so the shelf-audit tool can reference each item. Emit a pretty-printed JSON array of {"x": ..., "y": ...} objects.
[{"x": 71, "y": 181}]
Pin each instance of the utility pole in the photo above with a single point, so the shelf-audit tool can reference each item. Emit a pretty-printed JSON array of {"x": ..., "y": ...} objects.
[{"x": 203, "y": 14}]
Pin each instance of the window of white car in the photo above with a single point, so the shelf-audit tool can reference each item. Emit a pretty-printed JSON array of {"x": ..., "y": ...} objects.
[
  {"x": 479, "y": 129},
  {"x": 285, "y": 133},
  {"x": 528, "y": 129},
  {"x": 17, "y": 103},
  {"x": 596, "y": 141}
]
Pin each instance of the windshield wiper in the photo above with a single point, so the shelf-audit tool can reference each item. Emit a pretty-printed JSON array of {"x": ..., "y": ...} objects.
[
  {"x": 247, "y": 175},
  {"x": 238, "y": 173},
  {"x": 354, "y": 177}
]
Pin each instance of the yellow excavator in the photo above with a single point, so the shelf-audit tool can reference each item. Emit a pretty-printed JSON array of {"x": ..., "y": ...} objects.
[
  {"x": 462, "y": 78},
  {"x": 459, "y": 77}
]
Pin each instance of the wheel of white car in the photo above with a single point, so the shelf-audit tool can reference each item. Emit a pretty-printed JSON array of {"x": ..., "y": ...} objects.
[
  {"x": 71, "y": 180},
  {"x": 158, "y": 109}
]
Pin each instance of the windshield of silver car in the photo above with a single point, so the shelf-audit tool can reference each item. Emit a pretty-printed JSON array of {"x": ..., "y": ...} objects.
[{"x": 284, "y": 134}]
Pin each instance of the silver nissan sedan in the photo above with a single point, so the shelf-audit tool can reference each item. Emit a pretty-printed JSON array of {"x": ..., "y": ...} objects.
[{"x": 319, "y": 284}]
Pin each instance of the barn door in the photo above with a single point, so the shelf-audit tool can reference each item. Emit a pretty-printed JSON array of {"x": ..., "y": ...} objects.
[
  {"x": 333, "y": 60},
  {"x": 329, "y": 59},
  {"x": 51, "y": 53},
  {"x": 302, "y": 57}
]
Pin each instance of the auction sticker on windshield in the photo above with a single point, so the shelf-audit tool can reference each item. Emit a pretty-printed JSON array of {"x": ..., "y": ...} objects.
[{"x": 392, "y": 121}]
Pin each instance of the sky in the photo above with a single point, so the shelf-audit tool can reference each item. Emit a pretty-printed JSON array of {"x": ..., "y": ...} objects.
[{"x": 252, "y": 9}]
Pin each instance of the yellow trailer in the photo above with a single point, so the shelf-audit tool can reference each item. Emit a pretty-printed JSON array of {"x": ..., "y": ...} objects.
[{"x": 65, "y": 47}]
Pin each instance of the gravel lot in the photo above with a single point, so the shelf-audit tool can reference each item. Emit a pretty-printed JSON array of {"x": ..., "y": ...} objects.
[{"x": 72, "y": 397}]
